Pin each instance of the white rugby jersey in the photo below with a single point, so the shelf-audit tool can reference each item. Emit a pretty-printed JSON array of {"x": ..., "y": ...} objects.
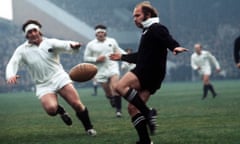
[
  {"x": 96, "y": 48},
  {"x": 204, "y": 61},
  {"x": 42, "y": 61}
]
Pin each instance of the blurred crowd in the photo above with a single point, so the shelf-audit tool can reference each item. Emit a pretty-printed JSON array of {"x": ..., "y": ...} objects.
[
  {"x": 213, "y": 23},
  {"x": 190, "y": 22}
]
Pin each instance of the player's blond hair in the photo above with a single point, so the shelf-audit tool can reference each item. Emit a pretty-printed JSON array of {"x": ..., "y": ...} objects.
[{"x": 147, "y": 8}]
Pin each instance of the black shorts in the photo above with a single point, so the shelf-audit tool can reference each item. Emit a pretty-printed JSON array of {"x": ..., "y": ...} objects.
[{"x": 150, "y": 80}]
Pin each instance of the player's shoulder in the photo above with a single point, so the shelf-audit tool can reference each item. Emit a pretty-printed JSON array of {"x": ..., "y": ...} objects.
[
  {"x": 158, "y": 25},
  {"x": 206, "y": 52},
  {"x": 110, "y": 39},
  {"x": 158, "y": 28},
  {"x": 24, "y": 45},
  {"x": 237, "y": 39},
  {"x": 194, "y": 55},
  {"x": 47, "y": 40},
  {"x": 92, "y": 42}
]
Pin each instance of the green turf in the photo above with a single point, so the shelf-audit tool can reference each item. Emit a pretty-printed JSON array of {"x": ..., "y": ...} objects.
[{"x": 183, "y": 118}]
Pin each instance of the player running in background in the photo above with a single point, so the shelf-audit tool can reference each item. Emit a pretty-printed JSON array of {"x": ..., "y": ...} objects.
[
  {"x": 236, "y": 51},
  {"x": 95, "y": 87},
  {"x": 201, "y": 61},
  {"x": 145, "y": 79},
  {"x": 41, "y": 57},
  {"x": 97, "y": 52}
]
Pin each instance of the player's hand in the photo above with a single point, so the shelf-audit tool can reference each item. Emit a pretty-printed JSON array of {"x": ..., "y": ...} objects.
[
  {"x": 238, "y": 65},
  {"x": 101, "y": 58},
  {"x": 13, "y": 79},
  {"x": 179, "y": 50},
  {"x": 75, "y": 45},
  {"x": 218, "y": 70},
  {"x": 115, "y": 56}
]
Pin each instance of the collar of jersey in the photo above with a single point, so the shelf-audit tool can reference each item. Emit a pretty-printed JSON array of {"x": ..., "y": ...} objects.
[{"x": 147, "y": 23}]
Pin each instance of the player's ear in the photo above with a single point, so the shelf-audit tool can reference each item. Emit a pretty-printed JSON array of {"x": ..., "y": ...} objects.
[{"x": 148, "y": 15}]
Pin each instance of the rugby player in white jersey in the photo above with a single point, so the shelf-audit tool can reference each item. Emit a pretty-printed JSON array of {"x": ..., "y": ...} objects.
[
  {"x": 201, "y": 61},
  {"x": 97, "y": 52},
  {"x": 40, "y": 55}
]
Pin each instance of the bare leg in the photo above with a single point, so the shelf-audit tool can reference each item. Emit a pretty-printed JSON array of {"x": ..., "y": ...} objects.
[
  {"x": 51, "y": 106},
  {"x": 70, "y": 94}
]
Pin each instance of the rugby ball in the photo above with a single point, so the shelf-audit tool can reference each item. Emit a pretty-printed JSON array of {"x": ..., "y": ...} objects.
[{"x": 83, "y": 72}]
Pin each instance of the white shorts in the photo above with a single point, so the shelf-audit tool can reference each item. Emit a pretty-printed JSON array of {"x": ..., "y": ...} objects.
[
  {"x": 205, "y": 71},
  {"x": 104, "y": 77},
  {"x": 57, "y": 82}
]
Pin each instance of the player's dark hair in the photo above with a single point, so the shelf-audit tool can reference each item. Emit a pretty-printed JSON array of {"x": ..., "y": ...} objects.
[
  {"x": 30, "y": 22},
  {"x": 100, "y": 26}
]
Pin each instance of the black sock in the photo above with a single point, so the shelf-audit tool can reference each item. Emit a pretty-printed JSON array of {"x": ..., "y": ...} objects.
[
  {"x": 205, "y": 90},
  {"x": 140, "y": 125},
  {"x": 84, "y": 118},
  {"x": 60, "y": 110},
  {"x": 211, "y": 88},
  {"x": 112, "y": 101},
  {"x": 118, "y": 103},
  {"x": 133, "y": 97},
  {"x": 95, "y": 90}
]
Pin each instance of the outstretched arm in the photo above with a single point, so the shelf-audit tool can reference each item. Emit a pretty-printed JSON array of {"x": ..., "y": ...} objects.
[
  {"x": 75, "y": 45},
  {"x": 214, "y": 61},
  {"x": 13, "y": 79},
  {"x": 179, "y": 50},
  {"x": 63, "y": 46},
  {"x": 131, "y": 58},
  {"x": 12, "y": 67}
]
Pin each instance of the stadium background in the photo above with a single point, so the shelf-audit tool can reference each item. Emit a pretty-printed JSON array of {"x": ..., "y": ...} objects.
[{"x": 213, "y": 23}]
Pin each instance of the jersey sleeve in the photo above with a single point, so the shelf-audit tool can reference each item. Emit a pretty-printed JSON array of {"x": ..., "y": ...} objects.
[
  {"x": 163, "y": 34},
  {"x": 131, "y": 58},
  {"x": 62, "y": 46},
  {"x": 193, "y": 63},
  {"x": 88, "y": 56},
  {"x": 213, "y": 59},
  {"x": 117, "y": 48},
  {"x": 13, "y": 64}
]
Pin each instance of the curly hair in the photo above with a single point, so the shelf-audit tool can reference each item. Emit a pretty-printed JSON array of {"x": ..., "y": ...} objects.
[{"x": 100, "y": 26}]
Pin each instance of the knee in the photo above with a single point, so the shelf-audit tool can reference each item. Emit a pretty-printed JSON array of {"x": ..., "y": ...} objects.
[
  {"x": 132, "y": 110},
  {"x": 51, "y": 110},
  {"x": 77, "y": 106},
  {"x": 119, "y": 89}
]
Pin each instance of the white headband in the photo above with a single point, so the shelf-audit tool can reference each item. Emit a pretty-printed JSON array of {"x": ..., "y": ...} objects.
[
  {"x": 30, "y": 27},
  {"x": 100, "y": 30}
]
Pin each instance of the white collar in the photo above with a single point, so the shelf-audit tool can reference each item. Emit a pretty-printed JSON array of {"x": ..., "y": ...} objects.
[{"x": 147, "y": 23}]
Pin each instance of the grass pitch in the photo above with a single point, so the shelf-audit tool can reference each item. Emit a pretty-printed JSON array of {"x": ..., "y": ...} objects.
[{"x": 183, "y": 118}]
